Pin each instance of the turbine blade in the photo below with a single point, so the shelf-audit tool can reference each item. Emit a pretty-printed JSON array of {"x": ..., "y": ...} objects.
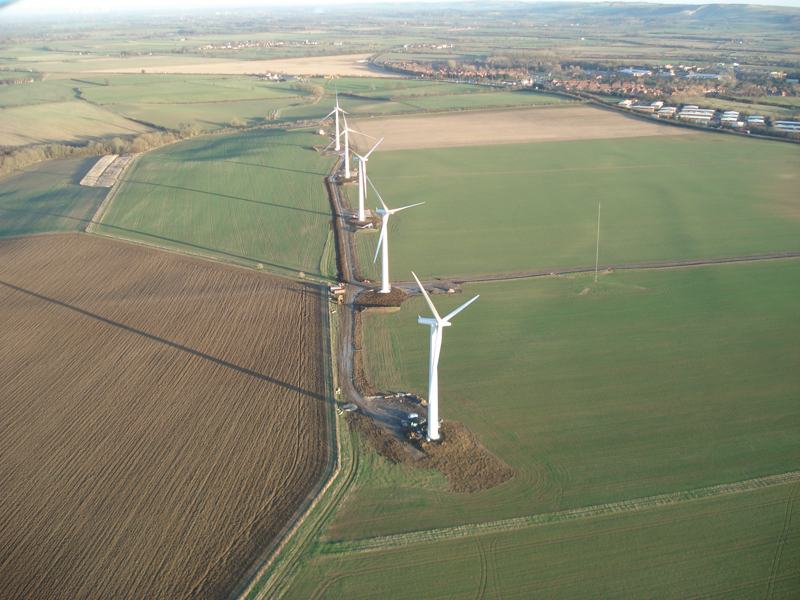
[
  {"x": 329, "y": 115},
  {"x": 377, "y": 193},
  {"x": 380, "y": 243},
  {"x": 427, "y": 298},
  {"x": 366, "y": 135},
  {"x": 394, "y": 210},
  {"x": 378, "y": 143},
  {"x": 449, "y": 316}
]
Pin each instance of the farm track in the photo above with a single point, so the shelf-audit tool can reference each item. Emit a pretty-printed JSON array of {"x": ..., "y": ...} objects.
[
  {"x": 277, "y": 575},
  {"x": 643, "y": 266},
  {"x": 390, "y": 542},
  {"x": 118, "y": 472}
]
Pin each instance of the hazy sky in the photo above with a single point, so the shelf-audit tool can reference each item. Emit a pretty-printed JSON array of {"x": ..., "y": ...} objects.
[{"x": 54, "y": 6}]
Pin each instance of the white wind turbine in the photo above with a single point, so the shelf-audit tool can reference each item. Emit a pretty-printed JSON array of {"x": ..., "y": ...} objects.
[
  {"x": 346, "y": 132},
  {"x": 383, "y": 241},
  {"x": 436, "y": 325},
  {"x": 362, "y": 179},
  {"x": 335, "y": 114}
]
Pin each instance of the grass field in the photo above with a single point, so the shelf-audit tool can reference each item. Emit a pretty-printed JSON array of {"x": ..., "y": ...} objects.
[
  {"x": 255, "y": 198},
  {"x": 741, "y": 546},
  {"x": 37, "y": 92},
  {"x": 510, "y": 208},
  {"x": 150, "y": 444},
  {"x": 209, "y": 116},
  {"x": 181, "y": 89},
  {"x": 377, "y": 97},
  {"x": 493, "y": 99},
  {"x": 94, "y": 105},
  {"x": 645, "y": 383},
  {"x": 208, "y": 102},
  {"x": 70, "y": 121},
  {"x": 47, "y": 197}
]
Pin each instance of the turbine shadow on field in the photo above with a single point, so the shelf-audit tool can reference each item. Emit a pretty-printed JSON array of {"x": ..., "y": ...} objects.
[
  {"x": 273, "y": 167},
  {"x": 228, "y": 196},
  {"x": 249, "y": 164},
  {"x": 204, "y": 249},
  {"x": 175, "y": 345}
]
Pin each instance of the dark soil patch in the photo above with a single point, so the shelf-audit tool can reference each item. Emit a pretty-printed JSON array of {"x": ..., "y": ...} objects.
[
  {"x": 355, "y": 223},
  {"x": 459, "y": 456},
  {"x": 373, "y": 298},
  {"x": 380, "y": 438},
  {"x": 467, "y": 465}
]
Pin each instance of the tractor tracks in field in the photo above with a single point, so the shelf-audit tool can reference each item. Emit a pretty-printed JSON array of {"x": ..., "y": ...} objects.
[
  {"x": 389, "y": 542},
  {"x": 776, "y": 559}
]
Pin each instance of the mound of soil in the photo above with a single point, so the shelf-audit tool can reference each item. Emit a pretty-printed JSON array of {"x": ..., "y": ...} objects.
[
  {"x": 373, "y": 298},
  {"x": 459, "y": 456},
  {"x": 467, "y": 465}
]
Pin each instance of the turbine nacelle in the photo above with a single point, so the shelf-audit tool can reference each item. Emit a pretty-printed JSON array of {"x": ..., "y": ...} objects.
[{"x": 432, "y": 322}]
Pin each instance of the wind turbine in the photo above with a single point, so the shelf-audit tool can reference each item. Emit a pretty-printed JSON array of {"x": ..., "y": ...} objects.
[
  {"x": 362, "y": 179},
  {"x": 347, "y": 131},
  {"x": 383, "y": 241},
  {"x": 436, "y": 325},
  {"x": 335, "y": 113}
]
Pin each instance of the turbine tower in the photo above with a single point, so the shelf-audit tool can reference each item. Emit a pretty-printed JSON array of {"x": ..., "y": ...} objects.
[
  {"x": 383, "y": 241},
  {"x": 436, "y": 324},
  {"x": 335, "y": 114},
  {"x": 362, "y": 180},
  {"x": 347, "y": 131}
]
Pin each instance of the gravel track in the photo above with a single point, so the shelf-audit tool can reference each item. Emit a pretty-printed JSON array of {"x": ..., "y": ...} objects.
[{"x": 388, "y": 542}]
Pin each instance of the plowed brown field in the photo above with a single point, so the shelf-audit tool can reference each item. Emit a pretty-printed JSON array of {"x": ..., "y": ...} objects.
[
  {"x": 519, "y": 126},
  {"x": 162, "y": 418}
]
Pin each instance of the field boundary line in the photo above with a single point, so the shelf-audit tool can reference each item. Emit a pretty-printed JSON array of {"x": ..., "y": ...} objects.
[
  {"x": 642, "y": 266},
  {"x": 400, "y": 540},
  {"x": 278, "y": 572},
  {"x": 262, "y": 567},
  {"x": 112, "y": 193}
]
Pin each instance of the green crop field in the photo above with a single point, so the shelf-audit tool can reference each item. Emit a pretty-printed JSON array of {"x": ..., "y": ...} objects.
[
  {"x": 38, "y": 92},
  {"x": 497, "y": 99},
  {"x": 208, "y": 102},
  {"x": 182, "y": 89},
  {"x": 511, "y": 208},
  {"x": 384, "y": 87},
  {"x": 47, "y": 197},
  {"x": 70, "y": 121},
  {"x": 645, "y": 383},
  {"x": 738, "y": 546},
  {"x": 255, "y": 198},
  {"x": 208, "y": 116},
  {"x": 376, "y": 96}
]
